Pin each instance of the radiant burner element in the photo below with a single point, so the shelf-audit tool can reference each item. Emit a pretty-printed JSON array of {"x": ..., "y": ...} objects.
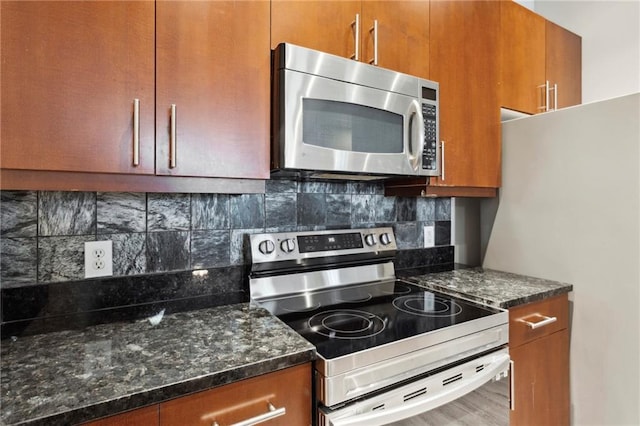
[
  {"x": 427, "y": 305},
  {"x": 398, "y": 289},
  {"x": 353, "y": 296},
  {"x": 295, "y": 306},
  {"x": 346, "y": 324}
]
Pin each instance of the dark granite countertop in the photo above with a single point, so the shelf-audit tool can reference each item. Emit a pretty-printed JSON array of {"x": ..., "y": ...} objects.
[
  {"x": 494, "y": 288},
  {"x": 72, "y": 376}
]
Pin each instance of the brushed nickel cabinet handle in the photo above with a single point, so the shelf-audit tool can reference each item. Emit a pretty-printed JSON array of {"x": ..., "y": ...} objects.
[
  {"x": 374, "y": 30},
  {"x": 533, "y": 325},
  {"x": 271, "y": 414},
  {"x": 356, "y": 36},
  {"x": 136, "y": 132},
  {"x": 512, "y": 390},
  {"x": 172, "y": 139},
  {"x": 555, "y": 96},
  {"x": 442, "y": 159},
  {"x": 545, "y": 107}
]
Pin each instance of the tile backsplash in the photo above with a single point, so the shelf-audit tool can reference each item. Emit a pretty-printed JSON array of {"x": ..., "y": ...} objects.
[{"x": 42, "y": 234}]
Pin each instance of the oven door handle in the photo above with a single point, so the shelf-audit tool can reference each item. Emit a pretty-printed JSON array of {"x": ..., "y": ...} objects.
[{"x": 429, "y": 401}]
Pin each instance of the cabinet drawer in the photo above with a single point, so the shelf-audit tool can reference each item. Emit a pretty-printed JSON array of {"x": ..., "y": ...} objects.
[
  {"x": 147, "y": 416},
  {"x": 534, "y": 320},
  {"x": 289, "y": 389}
]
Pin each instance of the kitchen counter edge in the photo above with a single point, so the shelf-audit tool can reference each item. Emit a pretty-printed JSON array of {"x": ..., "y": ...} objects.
[{"x": 493, "y": 288}]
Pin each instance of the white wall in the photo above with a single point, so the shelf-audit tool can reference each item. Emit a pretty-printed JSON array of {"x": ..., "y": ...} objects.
[
  {"x": 610, "y": 32},
  {"x": 569, "y": 210}
]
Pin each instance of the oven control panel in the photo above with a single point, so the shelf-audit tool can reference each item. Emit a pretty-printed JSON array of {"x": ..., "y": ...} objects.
[{"x": 300, "y": 245}]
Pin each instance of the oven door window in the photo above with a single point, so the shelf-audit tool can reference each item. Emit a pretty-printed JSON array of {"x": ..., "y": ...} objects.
[{"x": 351, "y": 127}]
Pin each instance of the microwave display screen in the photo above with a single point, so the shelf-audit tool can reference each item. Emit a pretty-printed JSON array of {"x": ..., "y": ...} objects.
[
  {"x": 428, "y": 93},
  {"x": 351, "y": 127}
]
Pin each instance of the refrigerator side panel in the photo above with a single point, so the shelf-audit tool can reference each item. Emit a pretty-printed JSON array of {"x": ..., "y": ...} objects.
[{"x": 569, "y": 210}]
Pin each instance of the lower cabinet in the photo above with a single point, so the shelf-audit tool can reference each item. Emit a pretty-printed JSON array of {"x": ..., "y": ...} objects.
[
  {"x": 539, "y": 349},
  {"x": 279, "y": 398},
  {"x": 284, "y": 395},
  {"x": 147, "y": 416}
]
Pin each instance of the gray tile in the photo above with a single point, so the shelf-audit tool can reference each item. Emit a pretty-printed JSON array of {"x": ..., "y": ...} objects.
[
  {"x": 406, "y": 209},
  {"x": 121, "y": 212},
  {"x": 66, "y": 213},
  {"x": 281, "y": 229},
  {"x": 280, "y": 210},
  {"x": 315, "y": 228},
  {"x": 426, "y": 209},
  {"x": 338, "y": 188},
  {"x": 210, "y": 248},
  {"x": 18, "y": 213},
  {"x": 246, "y": 211},
  {"x": 312, "y": 209},
  {"x": 408, "y": 235},
  {"x": 313, "y": 187},
  {"x": 363, "y": 188},
  {"x": 280, "y": 185},
  {"x": 61, "y": 258},
  {"x": 338, "y": 209},
  {"x": 168, "y": 212},
  {"x": 129, "y": 253},
  {"x": 363, "y": 209},
  {"x": 18, "y": 261},
  {"x": 209, "y": 211},
  {"x": 442, "y": 233},
  {"x": 443, "y": 209},
  {"x": 168, "y": 251},
  {"x": 385, "y": 208},
  {"x": 240, "y": 248}
]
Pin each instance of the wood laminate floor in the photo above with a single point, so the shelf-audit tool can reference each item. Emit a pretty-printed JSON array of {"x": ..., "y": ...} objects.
[{"x": 487, "y": 406}]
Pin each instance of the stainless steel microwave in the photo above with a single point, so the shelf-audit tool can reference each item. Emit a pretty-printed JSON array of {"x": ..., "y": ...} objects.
[{"x": 336, "y": 118}]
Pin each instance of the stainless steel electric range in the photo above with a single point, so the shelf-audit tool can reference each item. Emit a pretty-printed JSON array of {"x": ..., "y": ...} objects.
[{"x": 387, "y": 350}]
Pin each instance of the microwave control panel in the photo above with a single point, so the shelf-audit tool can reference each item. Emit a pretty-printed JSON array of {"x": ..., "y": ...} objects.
[{"x": 429, "y": 153}]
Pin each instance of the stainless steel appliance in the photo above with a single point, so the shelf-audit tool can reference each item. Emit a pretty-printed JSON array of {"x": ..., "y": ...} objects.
[
  {"x": 387, "y": 350},
  {"x": 338, "y": 118}
]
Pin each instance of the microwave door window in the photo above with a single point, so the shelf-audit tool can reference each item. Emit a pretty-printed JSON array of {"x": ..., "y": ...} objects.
[{"x": 351, "y": 127}]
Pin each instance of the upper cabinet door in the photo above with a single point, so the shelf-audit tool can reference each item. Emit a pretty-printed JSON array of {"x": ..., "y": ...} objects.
[
  {"x": 402, "y": 39},
  {"x": 564, "y": 65},
  {"x": 70, "y": 74},
  {"x": 327, "y": 26},
  {"x": 464, "y": 58},
  {"x": 522, "y": 58},
  {"x": 213, "y": 67}
]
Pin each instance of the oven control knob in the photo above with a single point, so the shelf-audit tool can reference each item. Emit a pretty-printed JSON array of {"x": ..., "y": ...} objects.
[
  {"x": 385, "y": 239},
  {"x": 266, "y": 247},
  {"x": 370, "y": 239},
  {"x": 287, "y": 245}
]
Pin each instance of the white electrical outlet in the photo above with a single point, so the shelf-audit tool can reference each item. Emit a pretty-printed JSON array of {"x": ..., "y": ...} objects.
[
  {"x": 98, "y": 259},
  {"x": 429, "y": 236}
]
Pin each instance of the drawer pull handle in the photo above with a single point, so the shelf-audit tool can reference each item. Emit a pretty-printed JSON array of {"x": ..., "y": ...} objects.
[
  {"x": 271, "y": 414},
  {"x": 542, "y": 323},
  {"x": 512, "y": 387}
]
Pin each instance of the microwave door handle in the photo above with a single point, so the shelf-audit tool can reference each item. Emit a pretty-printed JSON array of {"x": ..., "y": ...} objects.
[{"x": 415, "y": 149}]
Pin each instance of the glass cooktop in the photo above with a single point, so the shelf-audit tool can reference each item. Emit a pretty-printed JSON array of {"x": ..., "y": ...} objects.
[{"x": 345, "y": 320}]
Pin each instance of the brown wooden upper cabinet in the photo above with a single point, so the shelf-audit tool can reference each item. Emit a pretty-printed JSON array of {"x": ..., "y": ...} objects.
[
  {"x": 70, "y": 74},
  {"x": 541, "y": 64},
  {"x": 464, "y": 59},
  {"x": 393, "y": 35},
  {"x": 212, "y": 88},
  {"x": 89, "y": 87}
]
